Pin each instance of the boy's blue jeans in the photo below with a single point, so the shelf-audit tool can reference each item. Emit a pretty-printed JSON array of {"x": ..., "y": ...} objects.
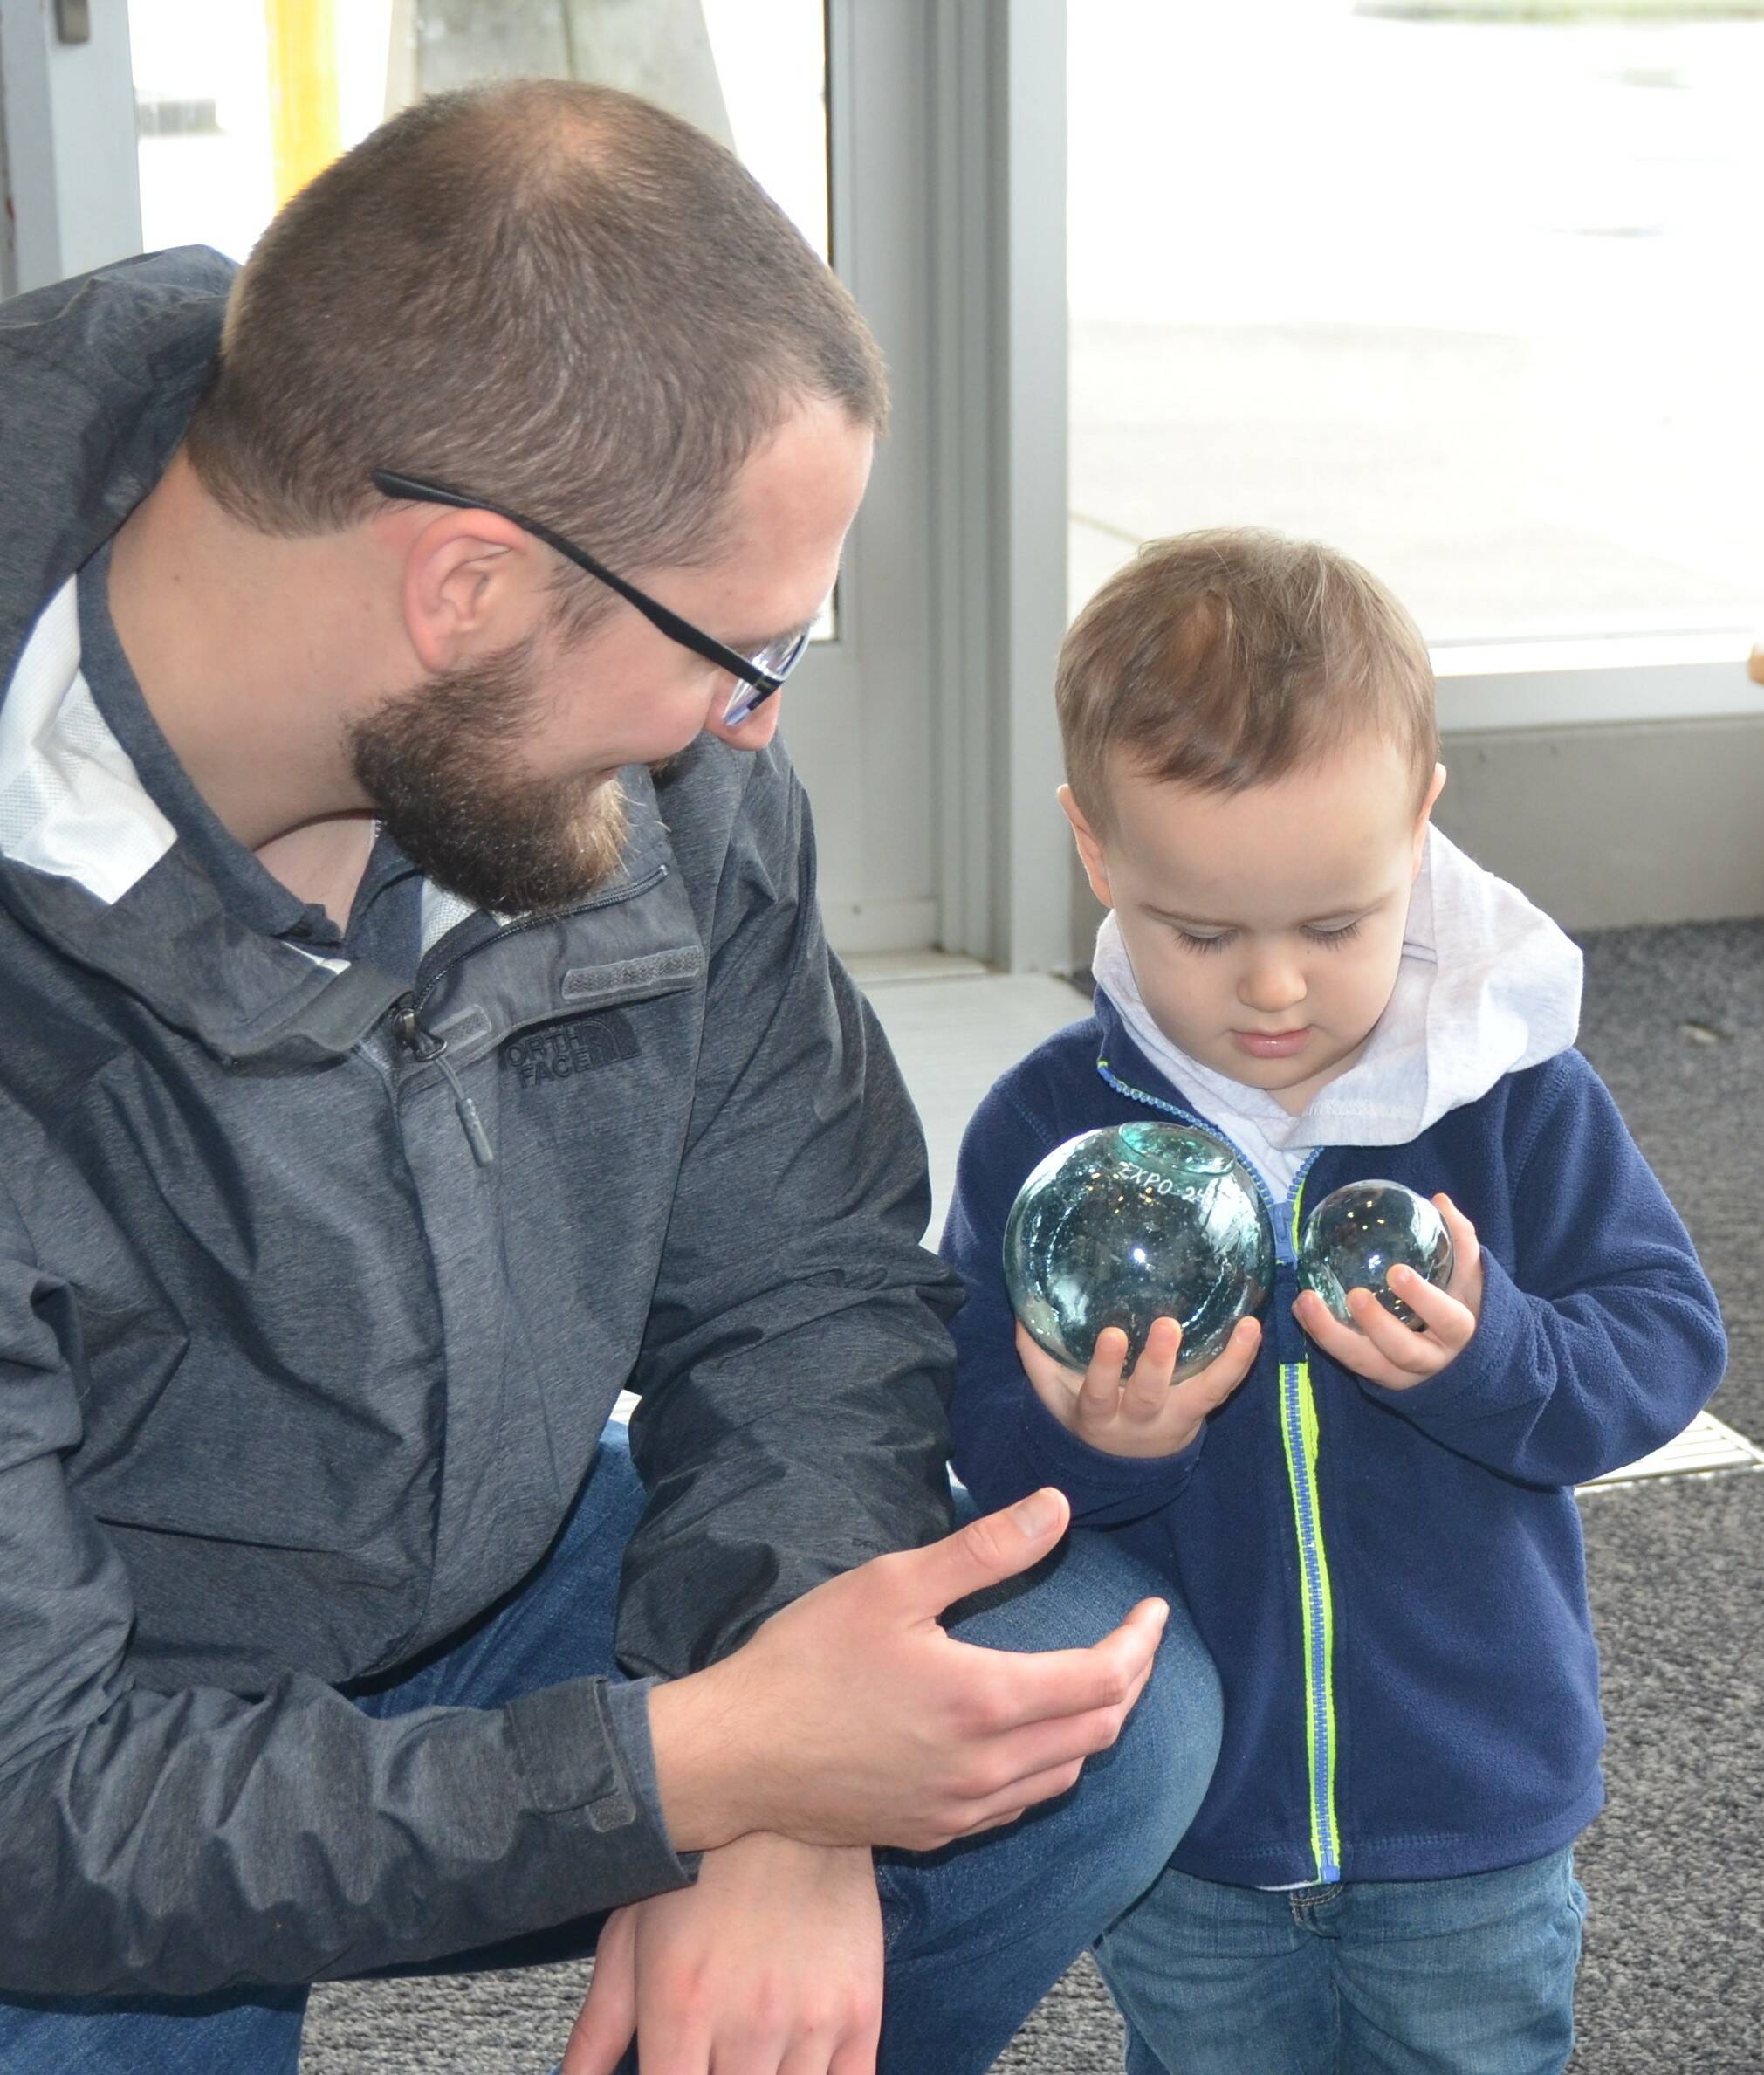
[
  {"x": 1470, "y": 1976},
  {"x": 974, "y": 1933}
]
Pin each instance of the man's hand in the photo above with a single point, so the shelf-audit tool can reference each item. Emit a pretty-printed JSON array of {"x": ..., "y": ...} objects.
[
  {"x": 853, "y": 1718},
  {"x": 1386, "y": 1351},
  {"x": 1149, "y": 1414},
  {"x": 771, "y": 1965}
]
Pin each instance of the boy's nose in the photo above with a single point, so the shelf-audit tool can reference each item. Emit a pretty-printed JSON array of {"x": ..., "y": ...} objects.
[{"x": 1272, "y": 985}]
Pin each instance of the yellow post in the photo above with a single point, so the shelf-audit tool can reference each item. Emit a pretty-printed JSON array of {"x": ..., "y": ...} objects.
[{"x": 306, "y": 127}]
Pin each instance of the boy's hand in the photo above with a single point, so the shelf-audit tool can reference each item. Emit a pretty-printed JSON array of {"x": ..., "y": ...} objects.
[
  {"x": 1149, "y": 1414},
  {"x": 1386, "y": 1351}
]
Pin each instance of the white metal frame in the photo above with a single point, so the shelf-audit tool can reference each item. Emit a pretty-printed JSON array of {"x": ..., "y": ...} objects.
[
  {"x": 947, "y": 126},
  {"x": 1590, "y": 684},
  {"x": 998, "y": 484},
  {"x": 860, "y": 724}
]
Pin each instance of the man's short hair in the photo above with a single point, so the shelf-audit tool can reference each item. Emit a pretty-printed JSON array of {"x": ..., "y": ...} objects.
[
  {"x": 552, "y": 295},
  {"x": 1223, "y": 659}
]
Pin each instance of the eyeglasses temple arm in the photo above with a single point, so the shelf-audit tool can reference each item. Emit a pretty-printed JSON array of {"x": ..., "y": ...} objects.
[{"x": 420, "y": 490}]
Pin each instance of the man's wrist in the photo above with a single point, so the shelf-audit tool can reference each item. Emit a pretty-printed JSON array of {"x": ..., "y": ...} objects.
[
  {"x": 775, "y": 1847},
  {"x": 707, "y": 1785}
]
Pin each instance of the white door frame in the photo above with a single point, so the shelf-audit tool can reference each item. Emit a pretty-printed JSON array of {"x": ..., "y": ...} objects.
[
  {"x": 925, "y": 732},
  {"x": 999, "y": 487},
  {"x": 860, "y": 723}
]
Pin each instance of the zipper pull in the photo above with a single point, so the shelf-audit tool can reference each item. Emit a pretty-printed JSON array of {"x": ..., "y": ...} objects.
[{"x": 430, "y": 1050}]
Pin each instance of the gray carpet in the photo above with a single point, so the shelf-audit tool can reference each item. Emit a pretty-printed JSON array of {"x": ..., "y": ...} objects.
[{"x": 1674, "y": 1974}]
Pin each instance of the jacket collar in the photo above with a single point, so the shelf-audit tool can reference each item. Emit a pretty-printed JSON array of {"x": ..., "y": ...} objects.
[
  {"x": 102, "y": 375},
  {"x": 1121, "y": 1053},
  {"x": 171, "y": 943}
]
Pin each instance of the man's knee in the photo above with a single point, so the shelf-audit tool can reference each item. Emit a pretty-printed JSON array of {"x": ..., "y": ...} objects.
[
  {"x": 1134, "y": 1800},
  {"x": 1147, "y": 1785}
]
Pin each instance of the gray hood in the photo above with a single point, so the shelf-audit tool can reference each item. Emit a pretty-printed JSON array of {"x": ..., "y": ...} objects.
[
  {"x": 98, "y": 378},
  {"x": 113, "y": 366}
]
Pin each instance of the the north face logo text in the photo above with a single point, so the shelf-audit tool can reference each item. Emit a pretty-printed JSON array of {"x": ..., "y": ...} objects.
[{"x": 566, "y": 1050}]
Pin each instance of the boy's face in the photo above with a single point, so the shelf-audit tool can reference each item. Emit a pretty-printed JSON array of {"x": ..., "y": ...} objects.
[{"x": 1265, "y": 927}]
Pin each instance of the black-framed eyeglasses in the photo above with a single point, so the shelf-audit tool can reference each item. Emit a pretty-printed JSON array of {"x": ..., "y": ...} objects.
[{"x": 757, "y": 677}]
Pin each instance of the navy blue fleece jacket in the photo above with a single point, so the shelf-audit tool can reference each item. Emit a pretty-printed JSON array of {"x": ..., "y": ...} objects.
[{"x": 1390, "y": 1583}]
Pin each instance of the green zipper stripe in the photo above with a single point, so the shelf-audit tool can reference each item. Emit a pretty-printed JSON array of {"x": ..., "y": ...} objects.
[
  {"x": 1332, "y": 1835},
  {"x": 1298, "y": 1440},
  {"x": 1287, "y": 1386}
]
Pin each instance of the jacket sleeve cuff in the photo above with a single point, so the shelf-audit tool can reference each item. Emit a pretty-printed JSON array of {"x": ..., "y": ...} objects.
[
  {"x": 1105, "y": 1490},
  {"x": 1480, "y": 1379},
  {"x": 584, "y": 1751}
]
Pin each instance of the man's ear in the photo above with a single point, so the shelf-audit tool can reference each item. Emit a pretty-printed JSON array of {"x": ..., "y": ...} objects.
[
  {"x": 469, "y": 582},
  {"x": 1426, "y": 813},
  {"x": 1090, "y": 849}
]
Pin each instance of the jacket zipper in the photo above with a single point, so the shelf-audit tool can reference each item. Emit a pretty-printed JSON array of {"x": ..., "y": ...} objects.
[
  {"x": 1299, "y": 1443},
  {"x": 626, "y": 890},
  {"x": 1299, "y": 1439},
  {"x": 429, "y": 1048}
]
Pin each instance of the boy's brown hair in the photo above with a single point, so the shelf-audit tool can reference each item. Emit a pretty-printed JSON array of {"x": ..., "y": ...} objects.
[
  {"x": 550, "y": 294},
  {"x": 1227, "y": 658}
]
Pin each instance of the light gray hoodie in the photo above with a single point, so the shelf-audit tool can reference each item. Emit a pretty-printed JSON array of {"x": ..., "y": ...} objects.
[{"x": 1487, "y": 986}]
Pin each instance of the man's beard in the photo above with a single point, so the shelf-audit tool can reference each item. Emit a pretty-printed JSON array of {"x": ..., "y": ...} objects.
[{"x": 441, "y": 763}]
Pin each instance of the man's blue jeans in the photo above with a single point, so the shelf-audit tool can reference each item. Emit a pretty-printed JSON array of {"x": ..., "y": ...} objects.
[
  {"x": 975, "y": 1934},
  {"x": 1470, "y": 1976}
]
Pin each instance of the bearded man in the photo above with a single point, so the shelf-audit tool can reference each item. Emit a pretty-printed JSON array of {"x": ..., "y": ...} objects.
[{"x": 415, "y": 1027}]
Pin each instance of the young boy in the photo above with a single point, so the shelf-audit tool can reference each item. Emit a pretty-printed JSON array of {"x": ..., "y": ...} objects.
[{"x": 1373, "y": 1527}]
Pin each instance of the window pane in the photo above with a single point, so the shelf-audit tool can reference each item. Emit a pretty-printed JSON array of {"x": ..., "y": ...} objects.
[
  {"x": 239, "y": 101},
  {"x": 1470, "y": 293},
  {"x": 201, "y": 105}
]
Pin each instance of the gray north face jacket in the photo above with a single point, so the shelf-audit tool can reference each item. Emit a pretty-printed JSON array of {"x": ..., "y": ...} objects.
[{"x": 298, "y": 1373}]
